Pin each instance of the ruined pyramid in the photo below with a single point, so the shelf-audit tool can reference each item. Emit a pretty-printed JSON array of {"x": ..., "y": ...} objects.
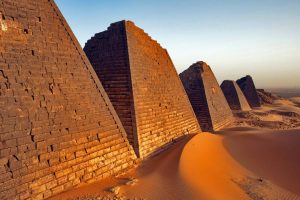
[
  {"x": 234, "y": 96},
  {"x": 206, "y": 96},
  {"x": 248, "y": 88},
  {"x": 142, "y": 83},
  {"x": 57, "y": 125}
]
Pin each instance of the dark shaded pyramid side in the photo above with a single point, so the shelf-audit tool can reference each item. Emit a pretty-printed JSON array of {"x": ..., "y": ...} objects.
[
  {"x": 206, "y": 96},
  {"x": 107, "y": 52},
  {"x": 234, "y": 96},
  {"x": 144, "y": 87},
  {"x": 57, "y": 126},
  {"x": 248, "y": 88}
]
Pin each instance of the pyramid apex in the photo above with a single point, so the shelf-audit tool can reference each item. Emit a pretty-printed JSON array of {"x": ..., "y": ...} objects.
[
  {"x": 206, "y": 97},
  {"x": 200, "y": 64},
  {"x": 123, "y": 22},
  {"x": 127, "y": 59}
]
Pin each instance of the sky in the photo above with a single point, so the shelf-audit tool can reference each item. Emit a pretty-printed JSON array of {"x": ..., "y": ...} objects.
[{"x": 235, "y": 37}]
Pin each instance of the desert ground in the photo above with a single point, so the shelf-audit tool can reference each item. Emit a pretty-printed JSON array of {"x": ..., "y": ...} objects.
[{"x": 257, "y": 158}]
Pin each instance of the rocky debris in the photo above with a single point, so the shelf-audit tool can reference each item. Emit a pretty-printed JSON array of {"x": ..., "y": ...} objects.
[
  {"x": 266, "y": 97},
  {"x": 115, "y": 190},
  {"x": 256, "y": 119},
  {"x": 106, "y": 198},
  {"x": 286, "y": 114},
  {"x": 246, "y": 115},
  {"x": 132, "y": 181},
  {"x": 260, "y": 179}
]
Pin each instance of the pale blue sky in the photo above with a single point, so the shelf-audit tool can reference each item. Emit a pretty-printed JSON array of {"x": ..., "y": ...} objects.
[{"x": 235, "y": 37}]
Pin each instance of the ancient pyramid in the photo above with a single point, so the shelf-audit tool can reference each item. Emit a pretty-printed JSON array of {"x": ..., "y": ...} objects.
[
  {"x": 248, "y": 88},
  {"x": 234, "y": 96},
  {"x": 142, "y": 83},
  {"x": 57, "y": 125},
  {"x": 206, "y": 96}
]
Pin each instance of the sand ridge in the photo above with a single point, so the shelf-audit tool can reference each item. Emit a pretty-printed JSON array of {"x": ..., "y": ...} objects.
[
  {"x": 283, "y": 114},
  {"x": 245, "y": 161},
  {"x": 215, "y": 172},
  {"x": 273, "y": 154}
]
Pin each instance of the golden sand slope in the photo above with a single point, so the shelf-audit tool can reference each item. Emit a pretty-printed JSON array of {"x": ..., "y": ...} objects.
[
  {"x": 247, "y": 167},
  {"x": 236, "y": 163},
  {"x": 271, "y": 154},
  {"x": 209, "y": 169},
  {"x": 283, "y": 114},
  {"x": 158, "y": 178}
]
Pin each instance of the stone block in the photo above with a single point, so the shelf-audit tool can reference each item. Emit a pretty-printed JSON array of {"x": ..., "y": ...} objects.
[{"x": 136, "y": 71}]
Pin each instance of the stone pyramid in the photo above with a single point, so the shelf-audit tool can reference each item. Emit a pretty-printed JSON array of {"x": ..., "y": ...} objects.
[
  {"x": 234, "y": 96},
  {"x": 248, "y": 88},
  {"x": 206, "y": 96},
  {"x": 57, "y": 125},
  {"x": 142, "y": 83}
]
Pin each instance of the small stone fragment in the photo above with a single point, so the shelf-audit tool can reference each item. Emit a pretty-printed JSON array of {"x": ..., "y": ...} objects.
[
  {"x": 132, "y": 181},
  {"x": 115, "y": 190},
  {"x": 260, "y": 179}
]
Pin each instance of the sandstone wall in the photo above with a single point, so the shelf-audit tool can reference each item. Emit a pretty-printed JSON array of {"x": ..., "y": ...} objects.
[
  {"x": 234, "y": 96},
  {"x": 206, "y": 96},
  {"x": 195, "y": 89},
  {"x": 108, "y": 54},
  {"x": 248, "y": 88},
  {"x": 57, "y": 126},
  {"x": 160, "y": 110}
]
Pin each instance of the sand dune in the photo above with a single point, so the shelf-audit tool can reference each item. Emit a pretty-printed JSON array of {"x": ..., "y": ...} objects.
[
  {"x": 237, "y": 163},
  {"x": 208, "y": 169},
  {"x": 158, "y": 178},
  {"x": 247, "y": 162},
  {"x": 243, "y": 164},
  {"x": 283, "y": 114},
  {"x": 296, "y": 101},
  {"x": 273, "y": 155},
  {"x": 289, "y": 105}
]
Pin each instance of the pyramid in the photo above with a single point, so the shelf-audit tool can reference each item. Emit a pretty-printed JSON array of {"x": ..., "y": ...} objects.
[
  {"x": 206, "y": 96},
  {"x": 57, "y": 126},
  {"x": 248, "y": 88},
  {"x": 142, "y": 83},
  {"x": 234, "y": 96}
]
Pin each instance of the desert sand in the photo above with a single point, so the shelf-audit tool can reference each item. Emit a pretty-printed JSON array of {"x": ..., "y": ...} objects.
[
  {"x": 257, "y": 158},
  {"x": 282, "y": 114}
]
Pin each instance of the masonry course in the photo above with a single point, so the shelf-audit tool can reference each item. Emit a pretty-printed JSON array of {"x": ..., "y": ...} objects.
[
  {"x": 143, "y": 85},
  {"x": 58, "y": 128},
  {"x": 206, "y": 97}
]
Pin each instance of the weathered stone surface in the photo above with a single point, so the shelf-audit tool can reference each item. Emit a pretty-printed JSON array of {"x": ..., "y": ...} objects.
[
  {"x": 143, "y": 85},
  {"x": 234, "y": 96},
  {"x": 57, "y": 125},
  {"x": 206, "y": 96},
  {"x": 248, "y": 88}
]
